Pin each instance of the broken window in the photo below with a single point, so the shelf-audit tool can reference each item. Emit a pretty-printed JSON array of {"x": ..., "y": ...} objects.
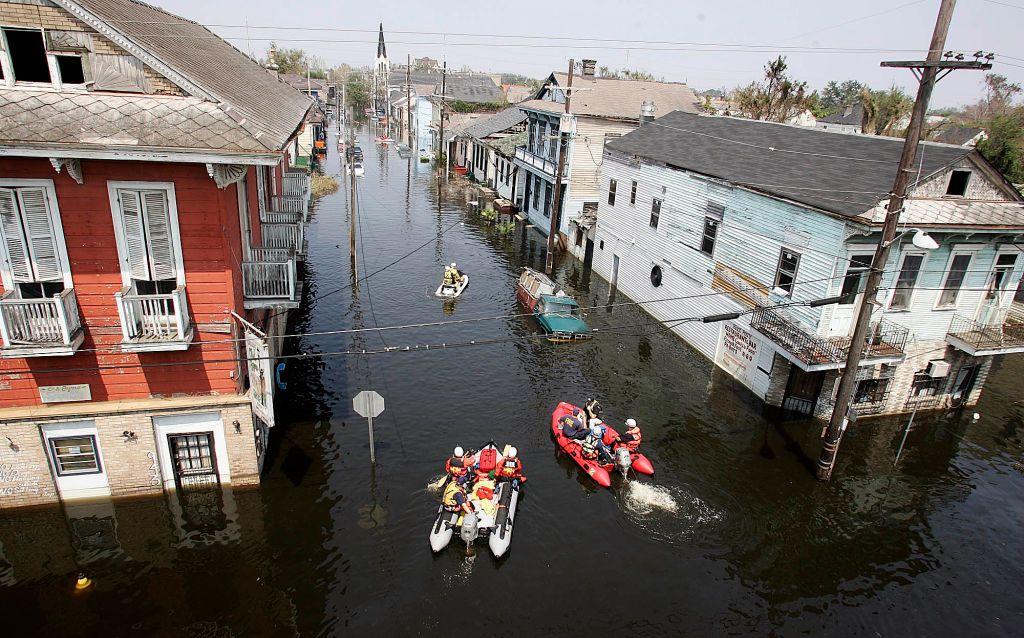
[
  {"x": 655, "y": 212},
  {"x": 28, "y": 55},
  {"x": 785, "y": 272},
  {"x": 71, "y": 70},
  {"x": 958, "y": 181}
]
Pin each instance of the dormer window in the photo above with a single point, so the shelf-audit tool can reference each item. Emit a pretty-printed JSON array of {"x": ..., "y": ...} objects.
[
  {"x": 71, "y": 69},
  {"x": 28, "y": 55},
  {"x": 958, "y": 181}
]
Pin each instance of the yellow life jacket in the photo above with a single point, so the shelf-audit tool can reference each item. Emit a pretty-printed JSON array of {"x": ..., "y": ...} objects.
[
  {"x": 451, "y": 277},
  {"x": 448, "y": 500}
]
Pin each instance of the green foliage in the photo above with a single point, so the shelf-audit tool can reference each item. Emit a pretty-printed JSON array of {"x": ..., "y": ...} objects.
[
  {"x": 885, "y": 112},
  {"x": 459, "y": 106},
  {"x": 488, "y": 214},
  {"x": 1004, "y": 146},
  {"x": 837, "y": 95},
  {"x": 515, "y": 78},
  {"x": 288, "y": 60},
  {"x": 776, "y": 99},
  {"x": 505, "y": 228},
  {"x": 626, "y": 74},
  {"x": 357, "y": 92}
]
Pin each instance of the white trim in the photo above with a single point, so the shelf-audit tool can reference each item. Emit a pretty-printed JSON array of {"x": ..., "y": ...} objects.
[
  {"x": 140, "y": 154},
  {"x": 172, "y": 207},
  {"x": 971, "y": 252},
  {"x": 842, "y": 281},
  {"x": 1005, "y": 294},
  {"x": 203, "y": 422},
  {"x": 58, "y": 231},
  {"x": 913, "y": 291},
  {"x": 73, "y": 486}
]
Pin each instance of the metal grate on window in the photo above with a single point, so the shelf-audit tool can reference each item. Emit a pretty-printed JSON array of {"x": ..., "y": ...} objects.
[{"x": 75, "y": 455}]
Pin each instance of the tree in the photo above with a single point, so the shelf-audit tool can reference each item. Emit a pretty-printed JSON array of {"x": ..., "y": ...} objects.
[
  {"x": 357, "y": 92},
  {"x": 999, "y": 97},
  {"x": 1004, "y": 146},
  {"x": 288, "y": 60},
  {"x": 885, "y": 112},
  {"x": 776, "y": 99},
  {"x": 837, "y": 95}
]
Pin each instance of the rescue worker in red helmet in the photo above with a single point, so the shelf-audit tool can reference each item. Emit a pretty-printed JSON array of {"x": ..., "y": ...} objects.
[{"x": 511, "y": 467}]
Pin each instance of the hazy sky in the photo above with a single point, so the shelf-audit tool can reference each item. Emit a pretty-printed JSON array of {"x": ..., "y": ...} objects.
[{"x": 902, "y": 30}]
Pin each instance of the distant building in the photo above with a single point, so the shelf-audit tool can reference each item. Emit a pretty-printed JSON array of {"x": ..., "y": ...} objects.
[
  {"x": 313, "y": 87},
  {"x": 725, "y": 215},
  {"x": 381, "y": 72},
  {"x": 952, "y": 133},
  {"x": 487, "y": 149},
  {"x": 850, "y": 119},
  {"x": 516, "y": 93}
]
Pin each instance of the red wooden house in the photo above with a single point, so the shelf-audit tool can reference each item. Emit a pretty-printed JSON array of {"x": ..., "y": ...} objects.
[{"x": 150, "y": 227}]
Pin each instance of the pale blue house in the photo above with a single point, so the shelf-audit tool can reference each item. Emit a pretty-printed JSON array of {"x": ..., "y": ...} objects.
[{"x": 726, "y": 215}]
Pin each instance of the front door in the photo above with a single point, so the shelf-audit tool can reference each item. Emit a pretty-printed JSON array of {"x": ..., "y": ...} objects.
[
  {"x": 194, "y": 461},
  {"x": 802, "y": 391},
  {"x": 963, "y": 384}
]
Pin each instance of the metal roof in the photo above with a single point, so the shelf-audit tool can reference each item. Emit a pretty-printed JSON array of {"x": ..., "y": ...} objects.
[{"x": 500, "y": 121}]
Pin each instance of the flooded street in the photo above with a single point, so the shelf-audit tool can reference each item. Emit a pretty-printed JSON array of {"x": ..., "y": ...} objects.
[{"x": 732, "y": 535}]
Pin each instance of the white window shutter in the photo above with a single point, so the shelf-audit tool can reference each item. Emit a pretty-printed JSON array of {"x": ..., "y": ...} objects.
[
  {"x": 14, "y": 236},
  {"x": 158, "y": 232},
  {"x": 134, "y": 234},
  {"x": 42, "y": 240}
]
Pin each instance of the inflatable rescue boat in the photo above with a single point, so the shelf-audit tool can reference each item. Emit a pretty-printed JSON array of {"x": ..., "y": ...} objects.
[
  {"x": 450, "y": 292},
  {"x": 494, "y": 504},
  {"x": 600, "y": 472}
]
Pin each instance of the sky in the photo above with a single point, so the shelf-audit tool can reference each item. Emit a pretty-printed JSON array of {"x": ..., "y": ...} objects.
[{"x": 477, "y": 35}]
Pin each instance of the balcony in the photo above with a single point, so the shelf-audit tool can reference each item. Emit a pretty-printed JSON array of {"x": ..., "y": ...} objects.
[
  {"x": 538, "y": 162},
  {"x": 48, "y": 327},
  {"x": 296, "y": 184},
  {"x": 886, "y": 341},
  {"x": 270, "y": 279},
  {"x": 978, "y": 339},
  {"x": 287, "y": 235},
  {"x": 154, "y": 323}
]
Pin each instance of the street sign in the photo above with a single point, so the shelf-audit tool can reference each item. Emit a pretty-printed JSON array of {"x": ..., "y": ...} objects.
[{"x": 368, "y": 403}]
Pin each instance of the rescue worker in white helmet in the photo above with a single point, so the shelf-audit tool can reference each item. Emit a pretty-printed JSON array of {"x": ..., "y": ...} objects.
[
  {"x": 458, "y": 465},
  {"x": 632, "y": 437},
  {"x": 511, "y": 467}
]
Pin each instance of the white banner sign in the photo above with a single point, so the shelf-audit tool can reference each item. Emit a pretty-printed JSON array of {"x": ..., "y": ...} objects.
[
  {"x": 737, "y": 353},
  {"x": 261, "y": 380}
]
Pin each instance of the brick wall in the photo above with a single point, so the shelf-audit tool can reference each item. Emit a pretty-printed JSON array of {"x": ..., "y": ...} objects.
[
  {"x": 132, "y": 466},
  {"x": 33, "y": 15}
]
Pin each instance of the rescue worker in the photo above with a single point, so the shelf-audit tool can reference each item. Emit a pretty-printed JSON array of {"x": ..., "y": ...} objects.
[
  {"x": 455, "y": 499},
  {"x": 572, "y": 425},
  {"x": 452, "y": 276},
  {"x": 632, "y": 436},
  {"x": 593, "y": 408},
  {"x": 458, "y": 465},
  {"x": 591, "y": 447},
  {"x": 603, "y": 443},
  {"x": 511, "y": 467}
]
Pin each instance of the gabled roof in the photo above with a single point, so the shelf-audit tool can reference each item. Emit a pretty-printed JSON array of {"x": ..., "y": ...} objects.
[
  {"x": 621, "y": 99},
  {"x": 300, "y": 82},
  {"x": 471, "y": 87},
  {"x": 501, "y": 121},
  {"x": 210, "y": 67},
  {"x": 851, "y": 114},
  {"x": 843, "y": 174}
]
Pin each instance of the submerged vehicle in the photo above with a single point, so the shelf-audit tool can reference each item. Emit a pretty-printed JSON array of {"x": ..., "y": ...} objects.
[
  {"x": 404, "y": 150},
  {"x": 600, "y": 472},
  {"x": 494, "y": 506},
  {"x": 556, "y": 313},
  {"x": 451, "y": 292},
  {"x": 357, "y": 168}
]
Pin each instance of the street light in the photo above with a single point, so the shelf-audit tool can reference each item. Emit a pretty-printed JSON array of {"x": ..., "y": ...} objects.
[{"x": 921, "y": 239}]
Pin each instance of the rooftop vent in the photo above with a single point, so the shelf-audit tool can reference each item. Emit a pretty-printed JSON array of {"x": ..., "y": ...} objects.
[{"x": 588, "y": 68}]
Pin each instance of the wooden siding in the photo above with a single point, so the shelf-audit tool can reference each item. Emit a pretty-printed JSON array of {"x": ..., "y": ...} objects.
[
  {"x": 979, "y": 186},
  {"x": 211, "y": 249}
]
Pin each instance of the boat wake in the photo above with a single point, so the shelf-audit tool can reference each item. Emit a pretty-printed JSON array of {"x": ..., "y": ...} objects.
[
  {"x": 434, "y": 487},
  {"x": 649, "y": 506},
  {"x": 644, "y": 498}
]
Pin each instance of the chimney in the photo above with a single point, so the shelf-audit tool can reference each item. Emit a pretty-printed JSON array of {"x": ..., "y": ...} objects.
[
  {"x": 588, "y": 68},
  {"x": 646, "y": 112}
]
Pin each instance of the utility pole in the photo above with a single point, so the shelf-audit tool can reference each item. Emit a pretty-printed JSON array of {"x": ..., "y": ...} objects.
[
  {"x": 927, "y": 73},
  {"x": 408, "y": 96},
  {"x": 556, "y": 204},
  {"x": 440, "y": 143}
]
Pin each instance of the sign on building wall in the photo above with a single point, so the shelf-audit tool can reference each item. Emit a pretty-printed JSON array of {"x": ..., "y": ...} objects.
[
  {"x": 65, "y": 393},
  {"x": 737, "y": 353},
  {"x": 261, "y": 380}
]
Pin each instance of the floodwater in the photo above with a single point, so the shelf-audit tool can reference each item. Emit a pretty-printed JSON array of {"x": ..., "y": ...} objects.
[{"x": 732, "y": 536}]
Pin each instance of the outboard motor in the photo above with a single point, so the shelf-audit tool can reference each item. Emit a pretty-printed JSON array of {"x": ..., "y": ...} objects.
[
  {"x": 469, "y": 532},
  {"x": 623, "y": 460}
]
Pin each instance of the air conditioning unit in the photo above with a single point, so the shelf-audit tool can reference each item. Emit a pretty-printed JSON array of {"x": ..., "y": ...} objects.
[{"x": 938, "y": 368}]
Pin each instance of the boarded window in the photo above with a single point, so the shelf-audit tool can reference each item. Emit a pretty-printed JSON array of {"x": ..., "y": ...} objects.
[
  {"x": 118, "y": 73},
  {"x": 28, "y": 55}
]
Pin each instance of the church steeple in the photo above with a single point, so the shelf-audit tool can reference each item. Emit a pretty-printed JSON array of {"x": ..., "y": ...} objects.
[{"x": 382, "y": 52}]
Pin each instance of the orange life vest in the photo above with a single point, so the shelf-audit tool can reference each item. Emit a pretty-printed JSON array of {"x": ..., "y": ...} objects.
[
  {"x": 637, "y": 437},
  {"x": 510, "y": 468},
  {"x": 456, "y": 466}
]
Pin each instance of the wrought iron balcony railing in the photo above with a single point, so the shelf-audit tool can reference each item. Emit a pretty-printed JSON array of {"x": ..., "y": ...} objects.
[
  {"x": 885, "y": 340},
  {"x": 974, "y": 337}
]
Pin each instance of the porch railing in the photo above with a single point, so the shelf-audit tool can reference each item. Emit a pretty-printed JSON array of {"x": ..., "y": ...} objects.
[
  {"x": 269, "y": 279},
  {"x": 281, "y": 217},
  {"x": 885, "y": 339},
  {"x": 287, "y": 235},
  {"x": 290, "y": 204},
  {"x": 296, "y": 183},
  {"x": 1008, "y": 333},
  {"x": 536, "y": 161},
  {"x": 160, "y": 317},
  {"x": 50, "y": 321},
  {"x": 262, "y": 253}
]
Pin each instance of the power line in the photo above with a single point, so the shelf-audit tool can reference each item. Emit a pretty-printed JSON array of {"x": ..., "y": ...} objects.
[{"x": 843, "y": 24}]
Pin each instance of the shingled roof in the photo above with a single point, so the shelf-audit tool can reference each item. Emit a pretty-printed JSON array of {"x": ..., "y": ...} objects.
[
  {"x": 843, "y": 174},
  {"x": 497, "y": 123},
  {"x": 620, "y": 99},
  {"x": 268, "y": 109}
]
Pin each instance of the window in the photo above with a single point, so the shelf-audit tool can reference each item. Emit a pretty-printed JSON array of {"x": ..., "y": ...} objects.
[
  {"x": 655, "y": 212},
  {"x": 32, "y": 241},
  {"x": 853, "y": 282},
  {"x": 925, "y": 385},
  {"x": 958, "y": 181},
  {"x": 75, "y": 455},
  {"x": 601, "y": 245},
  {"x": 958, "y": 267},
  {"x": 531, "y": 134},
  {"x": 145, "y": 219},
  {"x": 707, "y": 243},
  {"x": 905, "y": 281},
  {"x": 785, "y": 272},
  {"x": 611, "y": 192},
  {"x": 632, "y": 194},
  {"x": 71, "y": 70},
  {"x": 1001, "y": 274},
  {"x": 28, "y": 55},
  {"x": 656, "y": 276},
  {"x": 547, "y": 200},
  {"x": 871, "y": 390},
  {"x": 536, "y": 192}
]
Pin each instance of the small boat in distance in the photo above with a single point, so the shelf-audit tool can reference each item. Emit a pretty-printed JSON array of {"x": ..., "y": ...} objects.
[
  {"x": 404, "y": 150},
  {"x": 556, "y": 313}
]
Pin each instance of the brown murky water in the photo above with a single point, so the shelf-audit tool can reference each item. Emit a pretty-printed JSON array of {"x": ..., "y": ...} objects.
[{"x": 731, "y": 536}]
